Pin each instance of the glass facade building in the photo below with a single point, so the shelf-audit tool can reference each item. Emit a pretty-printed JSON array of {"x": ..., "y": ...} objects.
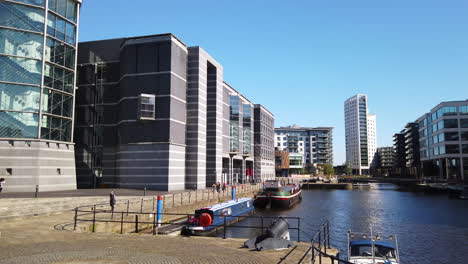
[
  {"x": 37, "y": 68},
  {"x": 443, "y": 141},
  {"x": 38, "y": 41}
]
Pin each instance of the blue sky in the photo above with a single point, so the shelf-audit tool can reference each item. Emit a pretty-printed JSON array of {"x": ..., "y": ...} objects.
[{"x": 303, "y": 59}]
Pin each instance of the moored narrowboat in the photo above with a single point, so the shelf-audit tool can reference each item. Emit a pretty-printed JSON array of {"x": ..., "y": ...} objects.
[
  {"x": 209, "y": 219},
  {"x": 275, "y": 195}
]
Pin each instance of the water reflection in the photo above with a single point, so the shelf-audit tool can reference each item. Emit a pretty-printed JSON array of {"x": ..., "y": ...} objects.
[{"x": 430, "y": 228}]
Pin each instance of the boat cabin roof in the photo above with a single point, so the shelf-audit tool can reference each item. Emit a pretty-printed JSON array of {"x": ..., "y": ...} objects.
[
  {"x": 368, "y": 242},
  {"x": 223, "y": 205}
]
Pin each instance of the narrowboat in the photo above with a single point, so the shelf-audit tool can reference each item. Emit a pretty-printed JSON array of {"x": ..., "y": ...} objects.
[
  {"x": 275, "y": 195},
  {"x": 207, "y": 220},
  {"x": 373, "y": 249}
]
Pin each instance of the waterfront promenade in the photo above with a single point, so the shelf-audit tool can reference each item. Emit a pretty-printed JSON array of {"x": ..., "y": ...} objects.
[{"x": 41, "y": 239}]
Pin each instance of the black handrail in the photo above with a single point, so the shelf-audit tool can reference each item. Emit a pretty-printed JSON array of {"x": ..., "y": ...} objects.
[{"x": 322, "y": 240}]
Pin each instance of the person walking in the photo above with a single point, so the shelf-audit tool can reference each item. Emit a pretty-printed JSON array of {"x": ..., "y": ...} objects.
[
  {"x": 224, "y": 187},
  {"x": 112, "y": 200},
  {"x": 218, "y": 187},
  {"x": 2, "y": 184}
]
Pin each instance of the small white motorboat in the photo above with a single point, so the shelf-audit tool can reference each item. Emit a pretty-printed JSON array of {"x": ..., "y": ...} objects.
[{"x": 373, "y": 249}]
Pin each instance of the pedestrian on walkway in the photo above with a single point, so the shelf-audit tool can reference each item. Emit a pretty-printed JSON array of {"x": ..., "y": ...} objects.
[
  {"x": 218, "y": 187},
  {"x": 213, "y": 187},
  {"x": 112, "y": 200},
  {"x": 2, "y": 184},
  {"x": 224, "y": 187}
]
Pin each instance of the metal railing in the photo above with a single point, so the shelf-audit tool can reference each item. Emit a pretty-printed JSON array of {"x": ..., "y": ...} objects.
[
  {"x": 93, "y": 214},
  {"x": 320, "y": 244}
]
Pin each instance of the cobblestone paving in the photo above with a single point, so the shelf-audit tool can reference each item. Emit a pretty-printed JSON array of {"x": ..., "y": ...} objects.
[{"x": 35, "y": 240}]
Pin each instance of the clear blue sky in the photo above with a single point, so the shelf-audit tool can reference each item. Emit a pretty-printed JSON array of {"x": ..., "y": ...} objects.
[{"x": 302, "y": 59}]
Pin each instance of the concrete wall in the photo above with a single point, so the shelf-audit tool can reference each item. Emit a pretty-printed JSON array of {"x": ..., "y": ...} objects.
[{"x": 25, "y": 164}]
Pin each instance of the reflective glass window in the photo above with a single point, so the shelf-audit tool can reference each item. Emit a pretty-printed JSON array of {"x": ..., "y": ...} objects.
[
  {"x": 33, "y": 2},
  {"x": 13, "y": 42},
  {"x": 60, "y": 29},
  {"x": 71, "y": 10},
  {"x": 55, "y": 128},
  {"x": 20, "y": 70},
  {"x": 463, "y": 110},
  {"x": 434, "y": 116},
  {"x": 450, "y": 123},
  {"x": 58, "y": 78},
  {"x": 60, "y": 53},
  {"x": 53, "y": 5},
  {"x": 441, "y": 150},
  {"x": 70, "y": 34},
  {"x": 19, "y": 97},
  {"x": 21, "y": 17},
  {"x": 147, "y": 106},
  {"x": 18, "y": 125},
  {"x": 61, "y": 7},
  {"x": 464, "y": 123},
  {"x": 452, "y": 149},
  {"x": 441, "y": 138},
  {"x": 465, "y": 148},
  {"x": 464, "y": 135},
  {"x": 451, "y": 136}
]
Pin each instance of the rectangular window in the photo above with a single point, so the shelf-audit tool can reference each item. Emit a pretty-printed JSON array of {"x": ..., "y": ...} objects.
[
  {"x": 451, "y": 136},
  {"x": 147, "y": 106},
  {"x": 464, "y": 135},
  {"x": 464, "y": 123},
  {"x": 465, "y": 148},
  {"x": 452, "y": 149},
  {"x": 450, "y": 123},
  {"x": 463, "y": 110}
]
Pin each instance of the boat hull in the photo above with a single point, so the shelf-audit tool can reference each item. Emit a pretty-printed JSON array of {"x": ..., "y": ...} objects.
[{"x": 278, "y": 201}]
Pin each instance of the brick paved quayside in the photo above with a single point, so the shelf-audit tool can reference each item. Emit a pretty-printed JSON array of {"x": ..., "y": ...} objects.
[{"x": 45, "y": 239}]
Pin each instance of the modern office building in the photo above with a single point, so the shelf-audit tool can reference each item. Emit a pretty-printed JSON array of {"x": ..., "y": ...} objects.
[
  {"x": 37, "y": 87},
  {"x": 384, "y": 161},
  {"x": 154, "y": 113},
  {"x": 443, "y": 142},
  {"x": 360, "y": 134},
  {"x": 308, "y": 147},
  {"x": 264, "y": 167}
]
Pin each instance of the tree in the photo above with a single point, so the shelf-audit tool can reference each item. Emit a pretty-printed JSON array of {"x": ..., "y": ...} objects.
[
  {"x": 328, "y": 170},
  {"x": 348, "y": 170}
]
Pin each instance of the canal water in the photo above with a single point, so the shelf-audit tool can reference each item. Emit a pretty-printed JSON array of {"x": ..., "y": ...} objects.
[{"x": 430, "y": 228}]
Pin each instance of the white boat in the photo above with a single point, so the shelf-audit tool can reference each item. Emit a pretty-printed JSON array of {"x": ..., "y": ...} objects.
[{"x": 373, "y": 249}]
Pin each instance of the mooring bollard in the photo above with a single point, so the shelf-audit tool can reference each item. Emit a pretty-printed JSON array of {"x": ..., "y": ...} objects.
[
  {"x": 233, "y": 192},
  {"x": 159, "y": 210}
]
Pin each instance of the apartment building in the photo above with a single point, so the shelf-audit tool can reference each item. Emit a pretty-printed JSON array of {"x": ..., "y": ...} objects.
[{"x": 360, "y": 134}]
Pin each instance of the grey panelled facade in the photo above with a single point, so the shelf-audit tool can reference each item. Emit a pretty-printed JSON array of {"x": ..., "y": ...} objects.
[
  {"x": 131, "y": 118},
  {"x": 204, "y": 119},
  {"x": 37, "y": 88},
  {"x": 264, "y": 126},
  {"x": 154, "y": 113}
]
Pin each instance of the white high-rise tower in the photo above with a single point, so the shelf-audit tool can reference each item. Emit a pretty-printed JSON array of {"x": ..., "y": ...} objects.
[{"x": 360, "y": 133}]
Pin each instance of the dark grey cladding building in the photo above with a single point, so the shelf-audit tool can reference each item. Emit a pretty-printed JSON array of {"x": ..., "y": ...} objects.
[{"x": 152, "y": 112}]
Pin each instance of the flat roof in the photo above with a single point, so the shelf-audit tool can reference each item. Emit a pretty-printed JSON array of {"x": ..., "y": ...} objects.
[
  {"x": 138, "y": 37},
  {"x": 297, "y": 128}
]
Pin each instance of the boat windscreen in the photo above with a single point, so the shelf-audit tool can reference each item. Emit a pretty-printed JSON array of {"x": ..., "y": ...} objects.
[{"x": 366, "y": 251}]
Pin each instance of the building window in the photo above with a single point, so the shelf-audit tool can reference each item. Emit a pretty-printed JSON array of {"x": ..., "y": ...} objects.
[
  {"x": 147, "y": 106},
  {"x": 464, "y": 123},
  {"x": 452, "y": 149},
  {"x": 450, "y": 123}
]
